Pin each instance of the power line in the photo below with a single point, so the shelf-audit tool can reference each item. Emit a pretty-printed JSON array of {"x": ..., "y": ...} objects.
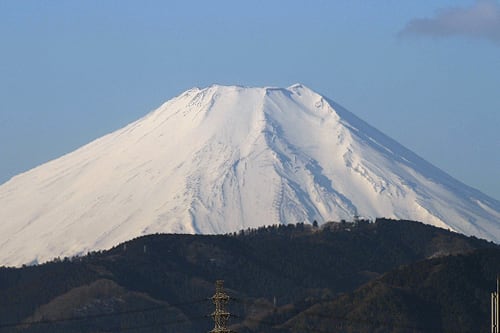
[
  {"x": 167, "y": 323},
  {"x": 317, "y": 330},
  {"x": 100, "y": 315},
  {"x": 370, "y": 322},
  {"x": 341, "y": 319}
]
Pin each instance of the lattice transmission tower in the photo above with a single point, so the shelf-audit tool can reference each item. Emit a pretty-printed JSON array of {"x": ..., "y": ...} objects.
[
  {"x": 220, "y": 315},
  {"x": 495, "y": 309}
]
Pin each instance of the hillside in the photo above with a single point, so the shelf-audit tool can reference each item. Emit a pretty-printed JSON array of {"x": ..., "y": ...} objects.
[
  {"x": 449, "y": 295},
  {"x": 161, "y": 283}
]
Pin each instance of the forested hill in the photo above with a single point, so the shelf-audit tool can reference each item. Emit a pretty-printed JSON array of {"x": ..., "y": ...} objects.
[
  {"x": 161, "y": 283},
  {"x": 448, "y": 294}
]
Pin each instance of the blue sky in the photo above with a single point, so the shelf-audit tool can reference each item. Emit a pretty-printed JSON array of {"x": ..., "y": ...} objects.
[{"x": 427, "y": 73}]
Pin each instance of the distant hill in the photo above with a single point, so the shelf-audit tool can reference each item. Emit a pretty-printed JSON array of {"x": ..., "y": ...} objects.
[{"x": 275, "y": 275}]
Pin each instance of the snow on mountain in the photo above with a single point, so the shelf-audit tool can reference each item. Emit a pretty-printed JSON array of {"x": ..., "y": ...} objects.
[{"x": 225, "y": 158}]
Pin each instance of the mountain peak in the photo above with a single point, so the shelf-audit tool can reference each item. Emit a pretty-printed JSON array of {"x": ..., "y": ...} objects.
[
  {"x": 298, "y": 86},
  {"x": 224, "y": 158}
]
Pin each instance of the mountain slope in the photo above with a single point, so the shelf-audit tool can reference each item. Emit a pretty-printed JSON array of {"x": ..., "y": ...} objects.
[{"x": 221, "y": 159}]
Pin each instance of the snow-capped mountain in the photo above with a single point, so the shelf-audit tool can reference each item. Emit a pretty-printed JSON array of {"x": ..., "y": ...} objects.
[{"x": 225, "y": 158}]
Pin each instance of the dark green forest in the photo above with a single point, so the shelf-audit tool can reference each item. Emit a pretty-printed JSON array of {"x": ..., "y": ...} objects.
[{"x": 382, "y": 276}]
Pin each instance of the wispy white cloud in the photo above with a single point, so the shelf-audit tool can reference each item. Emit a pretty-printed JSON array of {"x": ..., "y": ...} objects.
[{"x": 481, "y": 20}]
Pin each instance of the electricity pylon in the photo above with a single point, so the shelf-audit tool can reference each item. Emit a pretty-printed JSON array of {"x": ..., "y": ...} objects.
[
  {"x": 220, "y": 315},
  {"x": 495, "y": 309}
]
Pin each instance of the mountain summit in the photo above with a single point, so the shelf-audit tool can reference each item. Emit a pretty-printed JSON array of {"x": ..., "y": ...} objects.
[{"x": 225, "y": 158}]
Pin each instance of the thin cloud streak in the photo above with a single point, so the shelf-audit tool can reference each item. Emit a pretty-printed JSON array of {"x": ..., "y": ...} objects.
[{"x": 481, "y": 20}]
